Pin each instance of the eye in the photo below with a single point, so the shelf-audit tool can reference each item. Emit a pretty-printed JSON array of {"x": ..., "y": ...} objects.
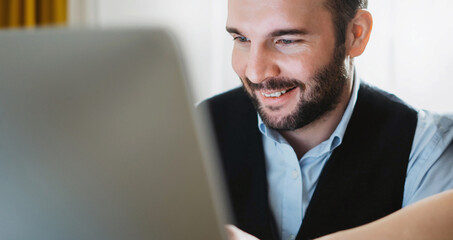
[
  {"x": 286, "y": 41},
  {"x": 241, "y": 39}
]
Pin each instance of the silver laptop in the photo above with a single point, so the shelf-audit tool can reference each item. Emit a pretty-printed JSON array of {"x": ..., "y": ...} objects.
[{"x": 98, "y": 140}]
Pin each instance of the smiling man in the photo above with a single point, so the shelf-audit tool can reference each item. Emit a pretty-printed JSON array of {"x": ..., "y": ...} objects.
[{"x": 307, "y": 147}]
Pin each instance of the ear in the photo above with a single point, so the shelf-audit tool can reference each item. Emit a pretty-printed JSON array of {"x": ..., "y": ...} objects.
[{"x": 358, "y": 33}]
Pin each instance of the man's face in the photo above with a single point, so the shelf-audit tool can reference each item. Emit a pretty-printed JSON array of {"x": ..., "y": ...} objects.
[{"x": 285, "y": 54}]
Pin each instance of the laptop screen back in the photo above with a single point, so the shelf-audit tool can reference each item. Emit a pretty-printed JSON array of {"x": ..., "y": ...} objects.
[{"x": 97, "y": 139}]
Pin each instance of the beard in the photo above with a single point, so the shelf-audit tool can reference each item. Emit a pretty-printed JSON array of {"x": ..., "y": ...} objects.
[{"x": 326, "y": 88}]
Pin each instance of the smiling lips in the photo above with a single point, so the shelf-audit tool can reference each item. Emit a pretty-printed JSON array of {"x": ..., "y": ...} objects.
[{"x": 276, "y": 94}]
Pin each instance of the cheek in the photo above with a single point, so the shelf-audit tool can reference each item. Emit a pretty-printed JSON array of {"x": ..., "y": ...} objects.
[
  {"x": 239, "y": 62},
  {"x": 298, "y": 67}
]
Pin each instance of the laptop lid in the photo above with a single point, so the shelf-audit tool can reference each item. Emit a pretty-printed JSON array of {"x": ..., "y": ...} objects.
[{"x": 97, "y": 139}]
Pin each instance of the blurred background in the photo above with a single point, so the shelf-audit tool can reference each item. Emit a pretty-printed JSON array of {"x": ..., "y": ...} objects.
[{"x": 410, "y": 52}]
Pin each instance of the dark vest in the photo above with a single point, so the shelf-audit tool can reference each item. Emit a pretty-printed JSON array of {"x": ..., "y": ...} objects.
[{"x": 362, "y": 181}]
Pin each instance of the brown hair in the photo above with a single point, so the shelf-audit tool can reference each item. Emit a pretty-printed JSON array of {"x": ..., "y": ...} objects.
[{"x": 343, "y": 11}]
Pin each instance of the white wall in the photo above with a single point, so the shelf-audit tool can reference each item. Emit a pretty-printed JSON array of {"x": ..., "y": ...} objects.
[
  {"x": 190, "y": 20},
  {"x": 410, "y": 51},
  {"x": 83, "y": 12}
]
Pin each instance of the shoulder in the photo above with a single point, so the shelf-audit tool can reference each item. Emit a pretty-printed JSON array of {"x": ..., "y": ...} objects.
[
  {"x": 430, "y": 169},
  {"x": 228, "y": 104},
  {"x": 383, "y": 100},
  {"x": 230, "y": 99},
  {"x": 384, "y": 115},
  {"x": 233, "y": 118},
  {"x": 433, "y": 134}
]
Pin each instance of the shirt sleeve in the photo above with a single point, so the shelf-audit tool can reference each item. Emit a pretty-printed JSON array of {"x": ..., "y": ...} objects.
[{"x": 430, "y": 168}]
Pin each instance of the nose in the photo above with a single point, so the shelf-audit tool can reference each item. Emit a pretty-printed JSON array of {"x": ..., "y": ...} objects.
[{"x": 261, "y": 64}]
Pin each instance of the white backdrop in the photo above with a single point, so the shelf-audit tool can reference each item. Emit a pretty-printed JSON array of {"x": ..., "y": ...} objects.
[{"x": 410, "y": 52}]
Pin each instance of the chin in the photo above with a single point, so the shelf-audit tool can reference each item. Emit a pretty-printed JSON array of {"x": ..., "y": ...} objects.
[{"x": 276, "y": 119}]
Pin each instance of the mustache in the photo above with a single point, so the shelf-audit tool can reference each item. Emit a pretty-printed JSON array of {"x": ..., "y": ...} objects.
[{"x": 275, "y": 84}]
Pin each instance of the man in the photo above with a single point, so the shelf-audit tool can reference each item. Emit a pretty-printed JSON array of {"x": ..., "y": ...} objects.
[{"x": 325, "y": 152}]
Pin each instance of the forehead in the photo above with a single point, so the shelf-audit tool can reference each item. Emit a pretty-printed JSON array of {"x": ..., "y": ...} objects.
[{"x": 263, "y": 15}]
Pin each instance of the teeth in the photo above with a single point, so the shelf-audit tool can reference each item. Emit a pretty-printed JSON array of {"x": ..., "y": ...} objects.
[{"x": 275, "y": 94}]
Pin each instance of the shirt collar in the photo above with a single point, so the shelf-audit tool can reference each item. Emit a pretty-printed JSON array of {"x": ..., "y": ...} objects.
[{"x": 337, "y": 136}]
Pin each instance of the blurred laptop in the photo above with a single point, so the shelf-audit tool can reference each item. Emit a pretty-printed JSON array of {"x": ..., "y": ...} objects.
[{"x": 98, "y": 139}]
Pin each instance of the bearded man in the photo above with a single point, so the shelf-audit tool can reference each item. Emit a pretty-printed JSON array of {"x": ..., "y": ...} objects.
[{"x": 308, "y": 148}]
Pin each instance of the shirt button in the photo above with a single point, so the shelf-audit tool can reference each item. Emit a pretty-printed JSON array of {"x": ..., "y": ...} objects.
[
  {"x": 295, "y": 174},
  {"x": 292, "y": 237}
]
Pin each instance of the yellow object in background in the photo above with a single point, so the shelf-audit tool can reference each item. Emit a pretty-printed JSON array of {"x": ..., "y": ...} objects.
[{"x": 31, "y": 13}]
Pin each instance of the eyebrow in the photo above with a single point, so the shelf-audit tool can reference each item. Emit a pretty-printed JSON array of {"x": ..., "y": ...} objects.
[
  {"x": 283, "y": 32},
  {"x": 276, "y": 33},
  {"x": 233, "y": 30}
]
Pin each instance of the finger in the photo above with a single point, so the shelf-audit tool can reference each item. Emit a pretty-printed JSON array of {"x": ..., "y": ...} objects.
[{"x": 235, "y": 233}]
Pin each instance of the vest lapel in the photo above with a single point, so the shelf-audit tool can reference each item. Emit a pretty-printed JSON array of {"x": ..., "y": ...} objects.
[
  {"x": 364, "y": 178},
  {"x": 252, "y": 194},
  {"x": 240, "y": 146}
]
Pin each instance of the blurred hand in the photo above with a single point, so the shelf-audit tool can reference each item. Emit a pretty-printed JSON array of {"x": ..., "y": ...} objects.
[{"x": 235, "y": 233}]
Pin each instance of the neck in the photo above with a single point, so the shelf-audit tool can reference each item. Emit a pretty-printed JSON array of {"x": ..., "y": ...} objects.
[{"x": 306, "y": 138}]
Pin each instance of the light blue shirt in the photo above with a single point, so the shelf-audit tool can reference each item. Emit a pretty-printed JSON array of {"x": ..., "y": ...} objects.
[{"x": 292, "y": 181}]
